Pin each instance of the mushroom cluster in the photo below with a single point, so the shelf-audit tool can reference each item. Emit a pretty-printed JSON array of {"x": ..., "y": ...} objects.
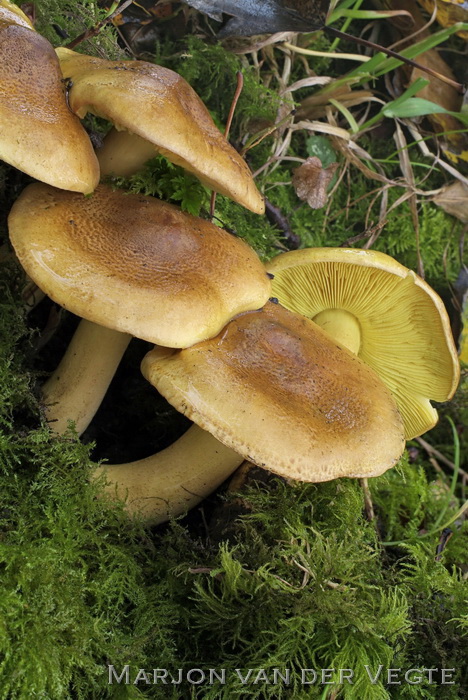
[
  {"x": 296, "y": 391},
  {"x": 268, "y": 384}
]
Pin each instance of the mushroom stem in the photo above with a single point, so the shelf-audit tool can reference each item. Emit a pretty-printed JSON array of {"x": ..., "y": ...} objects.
[
  {"x": 341, "y": 326},
  {"x": 159, "y": 487},
  {"x": 174, "y": 480},
  {"x": 122, "y": 154},
  {"x": 75, "y": 390}
]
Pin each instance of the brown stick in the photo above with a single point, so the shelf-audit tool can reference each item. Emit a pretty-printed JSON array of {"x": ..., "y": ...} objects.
[
  {"x": 367, "y": 499},
  {"x": 92, "y": 31},
  {"x": 235, "y": 99},
  {"x": 343, "y": 35},
  {"x": 442, "y": 458}
]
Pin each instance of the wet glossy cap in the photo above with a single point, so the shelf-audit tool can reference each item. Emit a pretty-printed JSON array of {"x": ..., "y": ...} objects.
[
  {"x": 159, "y": 106},
  {"x": 399, "y": 324},
  {"x": 38, "y": 133},
  {"x": 275, "y": 388},
  {"x": 135, "y": 264}
]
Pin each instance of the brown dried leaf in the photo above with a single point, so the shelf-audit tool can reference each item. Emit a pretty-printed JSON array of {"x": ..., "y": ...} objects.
[
  {"x": 449, "y": 12},
  {"x": 311, "y": 181},
  {"x": 454, "y": 139},
  {"x": 454, "y": 200}
]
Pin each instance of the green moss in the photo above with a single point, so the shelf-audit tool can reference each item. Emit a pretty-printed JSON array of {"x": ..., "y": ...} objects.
[
  {"x": 345, "y": 217},
  {"x": 211, "y": 71},
  {"x": 60, "y": 22}
]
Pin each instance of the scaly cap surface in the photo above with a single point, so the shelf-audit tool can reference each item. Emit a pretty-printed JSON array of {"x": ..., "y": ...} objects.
[
  {"x": 135, "y": 264},
  {"x": 275, "y": 388}
]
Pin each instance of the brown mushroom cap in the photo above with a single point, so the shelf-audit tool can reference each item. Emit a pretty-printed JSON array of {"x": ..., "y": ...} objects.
[
  {"x": 395, "y": 322},
  {"x": 38, "y": 133},
  {"x": 158, "y": 105},
  {"x": 275, "y": 388},
  {"x": 12, "y": 14},
  {"x": 135, "y": 264}
]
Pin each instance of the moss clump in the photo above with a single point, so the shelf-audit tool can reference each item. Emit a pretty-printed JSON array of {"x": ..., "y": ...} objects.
[
  {"x": 60, "y": 22},
  {"x": 73, "y": 587}
]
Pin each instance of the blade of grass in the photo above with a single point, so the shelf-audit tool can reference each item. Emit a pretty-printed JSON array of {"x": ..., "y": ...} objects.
[
  {"x": 344, "y": 28},
  {"x": 456, "y": 461},
  {"x": 366, "y": 14},
  {"x": 347, "y": 115},
  {"x": 422, "y": 46},
  {"x": 412, "y": 90},
  {"x": 437, "y": 526}
]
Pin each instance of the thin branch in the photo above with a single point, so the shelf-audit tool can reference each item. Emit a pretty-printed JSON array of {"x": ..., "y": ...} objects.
[
  {"x": 367, "y": 499},
  {"x": 92, "y": 31},
  {"x": 442, "y": 458},
  {"x": 235, "y": 99}
]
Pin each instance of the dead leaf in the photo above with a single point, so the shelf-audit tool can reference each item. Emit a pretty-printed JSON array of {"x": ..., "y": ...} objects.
[
  {"x": 449, "y": 12},
  {"x": 311, "y": 181},
  {"x": 454, "y": 200},
  {"x": 251, "y": 17},
  {"x": 315, "y": 106},
  {"x": 453, "y": 139}
]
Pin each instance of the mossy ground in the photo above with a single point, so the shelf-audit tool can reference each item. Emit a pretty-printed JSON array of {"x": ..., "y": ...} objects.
[{"x": 299, "y": 579}]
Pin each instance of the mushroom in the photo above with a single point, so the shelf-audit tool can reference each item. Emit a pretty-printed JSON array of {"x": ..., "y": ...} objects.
[
  {"x": 135, "y": 264},
  {"x": 277, "y": 389},
  {"x": 164, "y": 115},
  {"x": 130, "y": 265},
  {"x": 159, "y": 487},
  {"x": 384, "y": 313},
  {"x": 38, "y": 133}
]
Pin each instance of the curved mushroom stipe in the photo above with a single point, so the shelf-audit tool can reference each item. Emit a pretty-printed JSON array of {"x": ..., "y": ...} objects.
[
  {"x": 38, "y": 133},
  {"x": 76, "y": 389},
  {"x": 159, "y": 487},
  {"x": 158, "y": 105},
  {"x": 173, "y": 481},
  {"x": 385, "y": 313}
]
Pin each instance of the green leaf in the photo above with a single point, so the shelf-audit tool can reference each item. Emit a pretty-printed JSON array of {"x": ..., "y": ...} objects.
[
  {"x": 418, "y": 107},
  {"x": 413, "y": 107},
  {"x": 320, "y": 147}
]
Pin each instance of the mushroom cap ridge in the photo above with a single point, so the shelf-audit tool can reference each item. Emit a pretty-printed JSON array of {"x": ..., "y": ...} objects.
[
  {"x": 135, "y": 264},
  {"x": 158, "y": 105},
  {"x": 405, "y": 330},
  {"x": 275, "y": 388},
  {"x": 38, "y": 133}
]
